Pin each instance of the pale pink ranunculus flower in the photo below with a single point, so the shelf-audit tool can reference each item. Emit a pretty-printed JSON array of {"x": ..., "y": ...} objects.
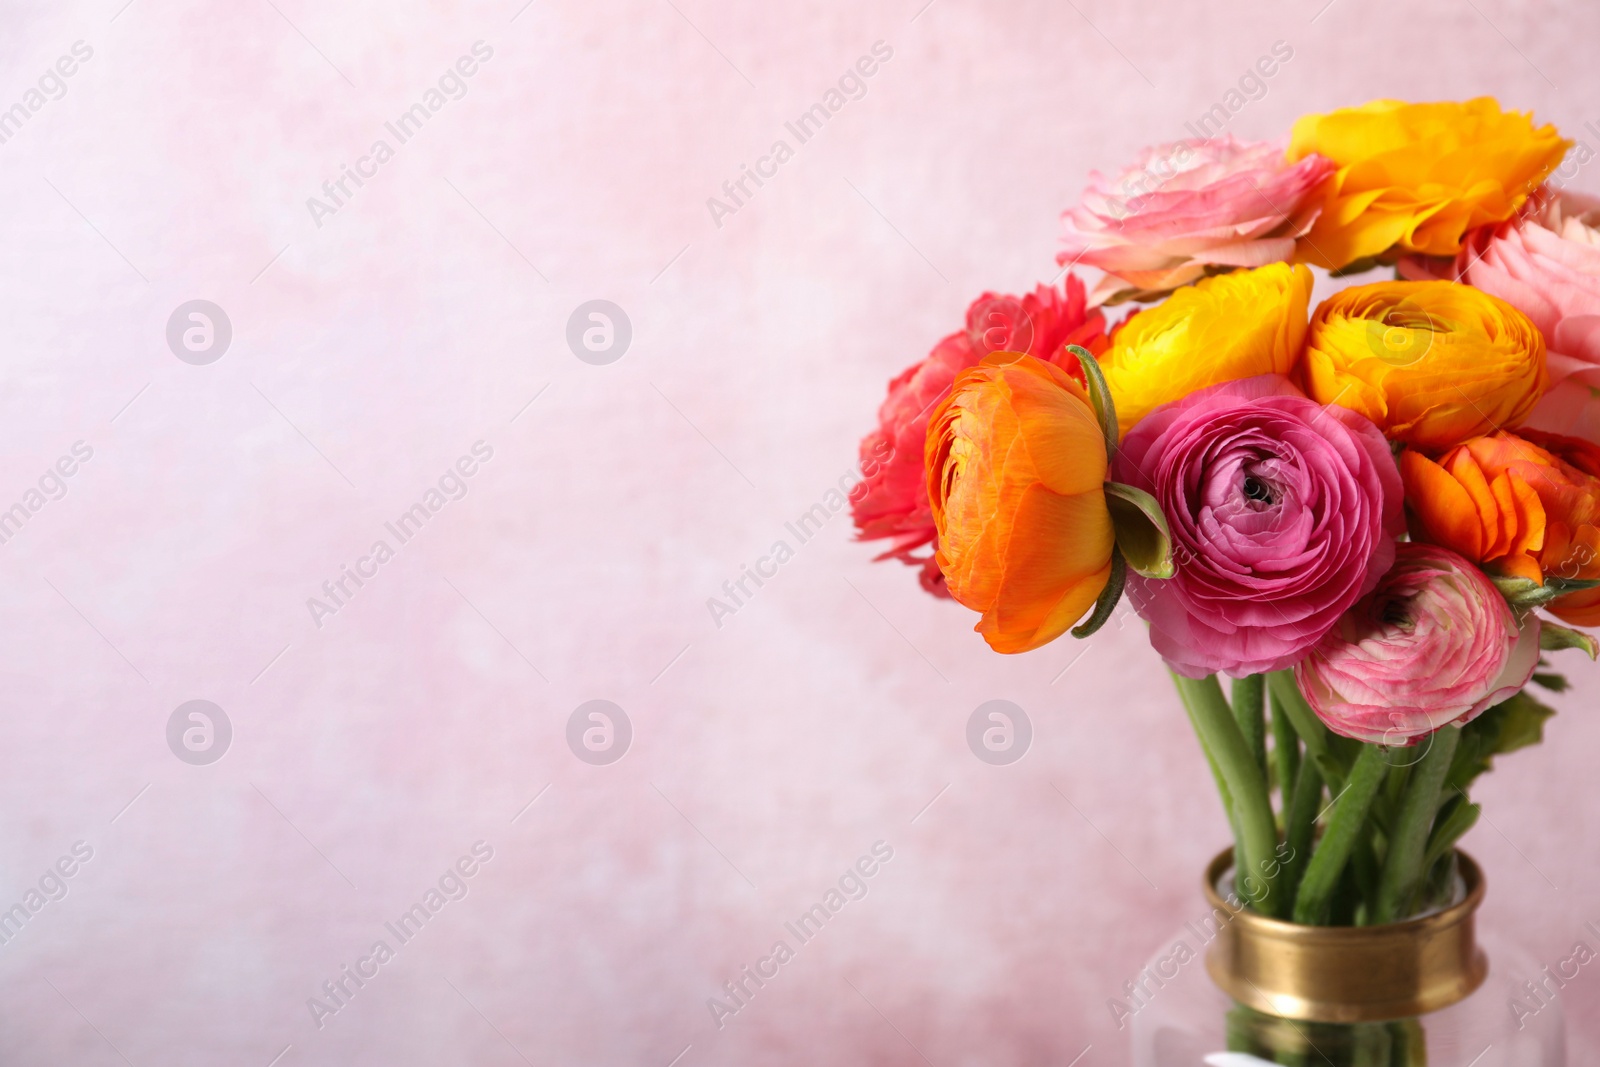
[
  {"x": 1433, "y": 644},
  {"x": 1189, "y": 208},
  {"x": 1545, "y": 262}
]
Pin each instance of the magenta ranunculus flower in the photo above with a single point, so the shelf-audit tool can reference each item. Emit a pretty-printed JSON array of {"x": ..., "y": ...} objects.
[
  {"x": 1283, "y": 513},
  {"x": 1188, "y": 208},
  {"x": 1435, "y": 643}
]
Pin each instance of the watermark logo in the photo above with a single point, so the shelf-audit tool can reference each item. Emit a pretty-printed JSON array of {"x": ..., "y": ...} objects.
[
  {"x": 199, "y": 332},
  {"x": 1403, "y": 335},
  {"x": 52, "y": 85},
  {"x": 599, "y": 732},
  {"x": 198, "y": 732},
  {"x": 852, "y": 487},
  {"x": 739, "y": 190},
  {"x": 1137, "y": 188},
  {"x": 599, "y": 332},
  {"x": 740, "y": 990},
  {"x": 451, "y": 486},
  {"x": 337, "y": 193},
  {"x": 52, "y": 886},
  {"x": 453, "y": 885},
  {"x": 52, "y": 485},
  {"x": 999, "y": 732}
]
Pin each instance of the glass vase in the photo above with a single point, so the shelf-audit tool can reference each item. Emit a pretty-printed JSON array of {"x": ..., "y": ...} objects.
[{"x": 1234, "y": 989}]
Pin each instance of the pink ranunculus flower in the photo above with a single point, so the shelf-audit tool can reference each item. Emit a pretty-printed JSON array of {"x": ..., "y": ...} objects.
[
  {"x": 1435, "y": 643},
  {"x": 1190, "y": 208},
  {"x": 892, "y": 502},
  {"x": 1283, "y": 514}
]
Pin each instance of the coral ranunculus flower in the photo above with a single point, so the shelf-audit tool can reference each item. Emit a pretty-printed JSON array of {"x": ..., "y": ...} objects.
[
  {"x": 1188, "y": 209},
  {"x": 1221, "y": 329},
  {"x": 1016, "y": 473},
  {"x": 894, "y": 502},
  {"x": 1417, "y": 177},
  {"x": 1434, "y": 644},
  {"x": 1431, "y": 363},
  {"x": 1524, "y": 504}
]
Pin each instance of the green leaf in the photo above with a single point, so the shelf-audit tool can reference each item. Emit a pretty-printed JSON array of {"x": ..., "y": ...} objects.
[
  {"x": 1552, "y": 638},
  {"x": 1107, "y": 603},
  {"x": 1517, "y": 722},
  {"x": 1476, "y": 750},
  {"x": 1105, "y": 409},
  {"x": 1522, "y": 723},
  {"x": 1556, "y": 683},
  {"x": 1141, "y": 530},
  {"x": 1456, "y": 817}
]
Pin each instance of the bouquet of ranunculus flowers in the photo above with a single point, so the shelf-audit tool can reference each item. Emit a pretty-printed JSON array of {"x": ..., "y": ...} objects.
[{"x": 1344, "y": 508}]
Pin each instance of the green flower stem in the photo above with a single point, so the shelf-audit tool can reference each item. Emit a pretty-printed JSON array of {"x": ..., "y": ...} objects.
[
  {"x": 1402, "y": 867},
  {"x": 1224, "y": 792},
  {"x": 1249, "y": 699},
  {"x": 1285, "y": 753},
  {"x": 1350, "y": 807},
  {"x": 1364, "y": 865},
  {"x": 1245, "y": 788},
  {"x": 1300, "y": 824},
  {"x": 1318, "y": 742}
]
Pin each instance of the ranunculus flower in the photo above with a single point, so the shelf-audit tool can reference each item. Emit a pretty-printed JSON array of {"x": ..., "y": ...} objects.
[
  {"x": 1223, "y": 328},
  {"x": 1434, "y": 644},
  {"x": 1016, "y": 480},
  {"x": 1282, "y": 514},
  {"x": 1546, "y": 264},
  {"x": 1188, "y": 209},
  {"x": 894, "y": 502},
  {"x": 1525, "y": 504},
  {"x": 1417, "y": 177},
  {"x": 1432, "y": 363}
]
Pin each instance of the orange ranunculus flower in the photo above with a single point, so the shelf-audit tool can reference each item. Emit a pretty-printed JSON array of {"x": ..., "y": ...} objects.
[
  {"x": 1525, "y": 504},
  {"x": 1416, "y": 177},
  {"x": 1223, "y": 328},
  {"x": 1016, "y": 473},
  {"x": 1431, "y": 363}
]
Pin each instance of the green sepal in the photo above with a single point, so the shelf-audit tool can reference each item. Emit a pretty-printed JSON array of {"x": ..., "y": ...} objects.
[
  {"x": 1107, "y": 603},
  {"x": 1105, "y": 409},
  {"x": 1141, "y": 530},
  {"x": 1527, "y": 593},
  {"x": 1552, "y": 638}
]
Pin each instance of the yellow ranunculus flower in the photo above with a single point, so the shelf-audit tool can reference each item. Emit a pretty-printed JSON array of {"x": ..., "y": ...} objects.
[
  {"x": 1431, "y": 363},
  {"x": 1220, "y": 329},
  {"x": 1419, "y": 176}
]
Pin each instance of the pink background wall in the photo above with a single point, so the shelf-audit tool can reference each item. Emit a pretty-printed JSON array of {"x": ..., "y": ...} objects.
[{"x": 769, "y": 754}]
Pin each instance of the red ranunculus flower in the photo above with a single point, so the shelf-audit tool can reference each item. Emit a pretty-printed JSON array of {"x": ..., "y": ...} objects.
[{"x": 894, "y": 501}]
